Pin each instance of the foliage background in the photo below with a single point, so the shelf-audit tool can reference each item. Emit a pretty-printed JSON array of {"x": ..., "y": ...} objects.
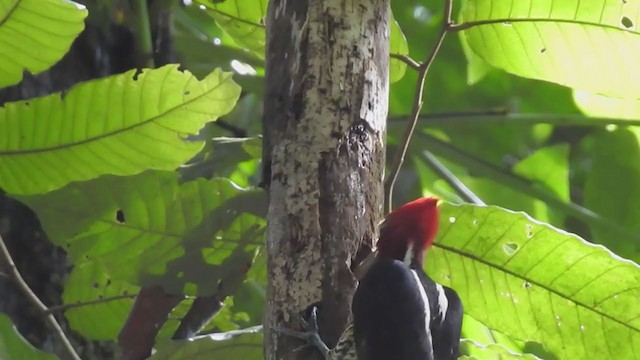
[{"x": 566, "y": 155}]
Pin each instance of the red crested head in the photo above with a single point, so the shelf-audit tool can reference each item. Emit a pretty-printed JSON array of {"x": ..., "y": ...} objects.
[{"x": 409, "y": 231}]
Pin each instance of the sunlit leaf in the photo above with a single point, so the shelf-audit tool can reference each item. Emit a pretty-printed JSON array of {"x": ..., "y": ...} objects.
[
  {"x": 604, "y": 106},
  {"x": 35, "y": 34},
  {"x": 477, "y": 68},
  {"x": 399, "y": 46},
  {"x": 477, "y": 333},
  {"x": 590, "y": 45},
  {"x": 122, "y": 125},
  {"x": 535, "y": 283}
]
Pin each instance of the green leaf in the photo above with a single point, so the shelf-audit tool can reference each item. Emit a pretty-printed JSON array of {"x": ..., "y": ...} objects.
[
  {"x": 223, "y": 158},
  {"x": 491, "y": 351},
  {"x": 243, "y": 344},
  {"x": 203, "y": 46},
  {"x": 100, "y": 304},
  {"x": 194, "y": 238},
  {"x": 477, "y": 68},
  {"x": 35, "y": 34},
  {"x": 548, "y": 167},
  {"x": 604, "y": 106},
  {"x": 478, "y": 333},
  {"x": 590, "y": 45},
  {"x": 14, "y": 346},
  {"x": 399, "y": 46},
  {"x": 122, "y": 125},
  {"x": 243, "y": 20},
  {"x": 611, "y": 187},
  {"x": 533, "y": 282}
]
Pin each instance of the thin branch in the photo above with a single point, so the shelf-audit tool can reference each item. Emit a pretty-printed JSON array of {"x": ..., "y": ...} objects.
[
  {"x": 407, "y": 60},
  {"x": 502, "y": 117},
  {"x": 451, "y": 179},
  {"x": 485, "y": 169},
  {"x": 35, "y": 301},
  {"x": 398, "y": 160},
  {"x": 66, "y": 307},
  {"x": 441, "y": 117},
  {"x": 509, "y": 21},
  {"x": 201, "y": 312},
  {"x": 236, "y": 131}
]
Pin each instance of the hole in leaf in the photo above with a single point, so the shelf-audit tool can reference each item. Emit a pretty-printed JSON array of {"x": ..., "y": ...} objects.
[
  {"x": 626, "y": 22},
  {"x": 452, "y": 219},
  {"x": 510, "y": 248},
  {"x": 120, "y": 216}
]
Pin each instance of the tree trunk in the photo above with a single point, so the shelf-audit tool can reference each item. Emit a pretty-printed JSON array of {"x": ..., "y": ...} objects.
[{"x": 324, "y": 125}]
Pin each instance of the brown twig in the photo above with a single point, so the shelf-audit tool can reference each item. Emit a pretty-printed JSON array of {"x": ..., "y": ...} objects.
[
  {"x": 66, "y": 307},
  {"x": 445, "y": 116},
  {"x": 236, "y": 131},
  {"x": 201, "y": 312},
  {"x": 407, "y": 60},
  {"x": 423, "y": 69},
  {"x": 35, "y": 301}
]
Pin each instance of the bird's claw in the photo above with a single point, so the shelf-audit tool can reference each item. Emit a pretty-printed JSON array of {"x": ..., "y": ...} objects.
[{"x": 310, "y": 333}]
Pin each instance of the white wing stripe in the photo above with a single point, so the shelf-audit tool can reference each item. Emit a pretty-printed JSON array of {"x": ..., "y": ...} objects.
[
  {"x": 443, "y": 303},
  {"x": 427, "y": 309}
]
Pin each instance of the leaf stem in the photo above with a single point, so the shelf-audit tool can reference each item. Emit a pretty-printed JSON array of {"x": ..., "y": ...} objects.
[
  {"x": 66, "y": 307},
  {"x": 500, "y": 116},
  {"x": 35, "y": 301}
]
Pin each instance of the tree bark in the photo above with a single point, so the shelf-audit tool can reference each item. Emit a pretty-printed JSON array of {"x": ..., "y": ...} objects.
[{"x": 324, "y": 124}]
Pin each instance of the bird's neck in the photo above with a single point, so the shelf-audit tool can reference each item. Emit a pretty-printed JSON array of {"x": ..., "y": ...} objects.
[{"x": 412, "y": 258}]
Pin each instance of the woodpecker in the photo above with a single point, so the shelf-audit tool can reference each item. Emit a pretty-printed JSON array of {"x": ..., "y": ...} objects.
[{"x": 399, "y": 312}]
